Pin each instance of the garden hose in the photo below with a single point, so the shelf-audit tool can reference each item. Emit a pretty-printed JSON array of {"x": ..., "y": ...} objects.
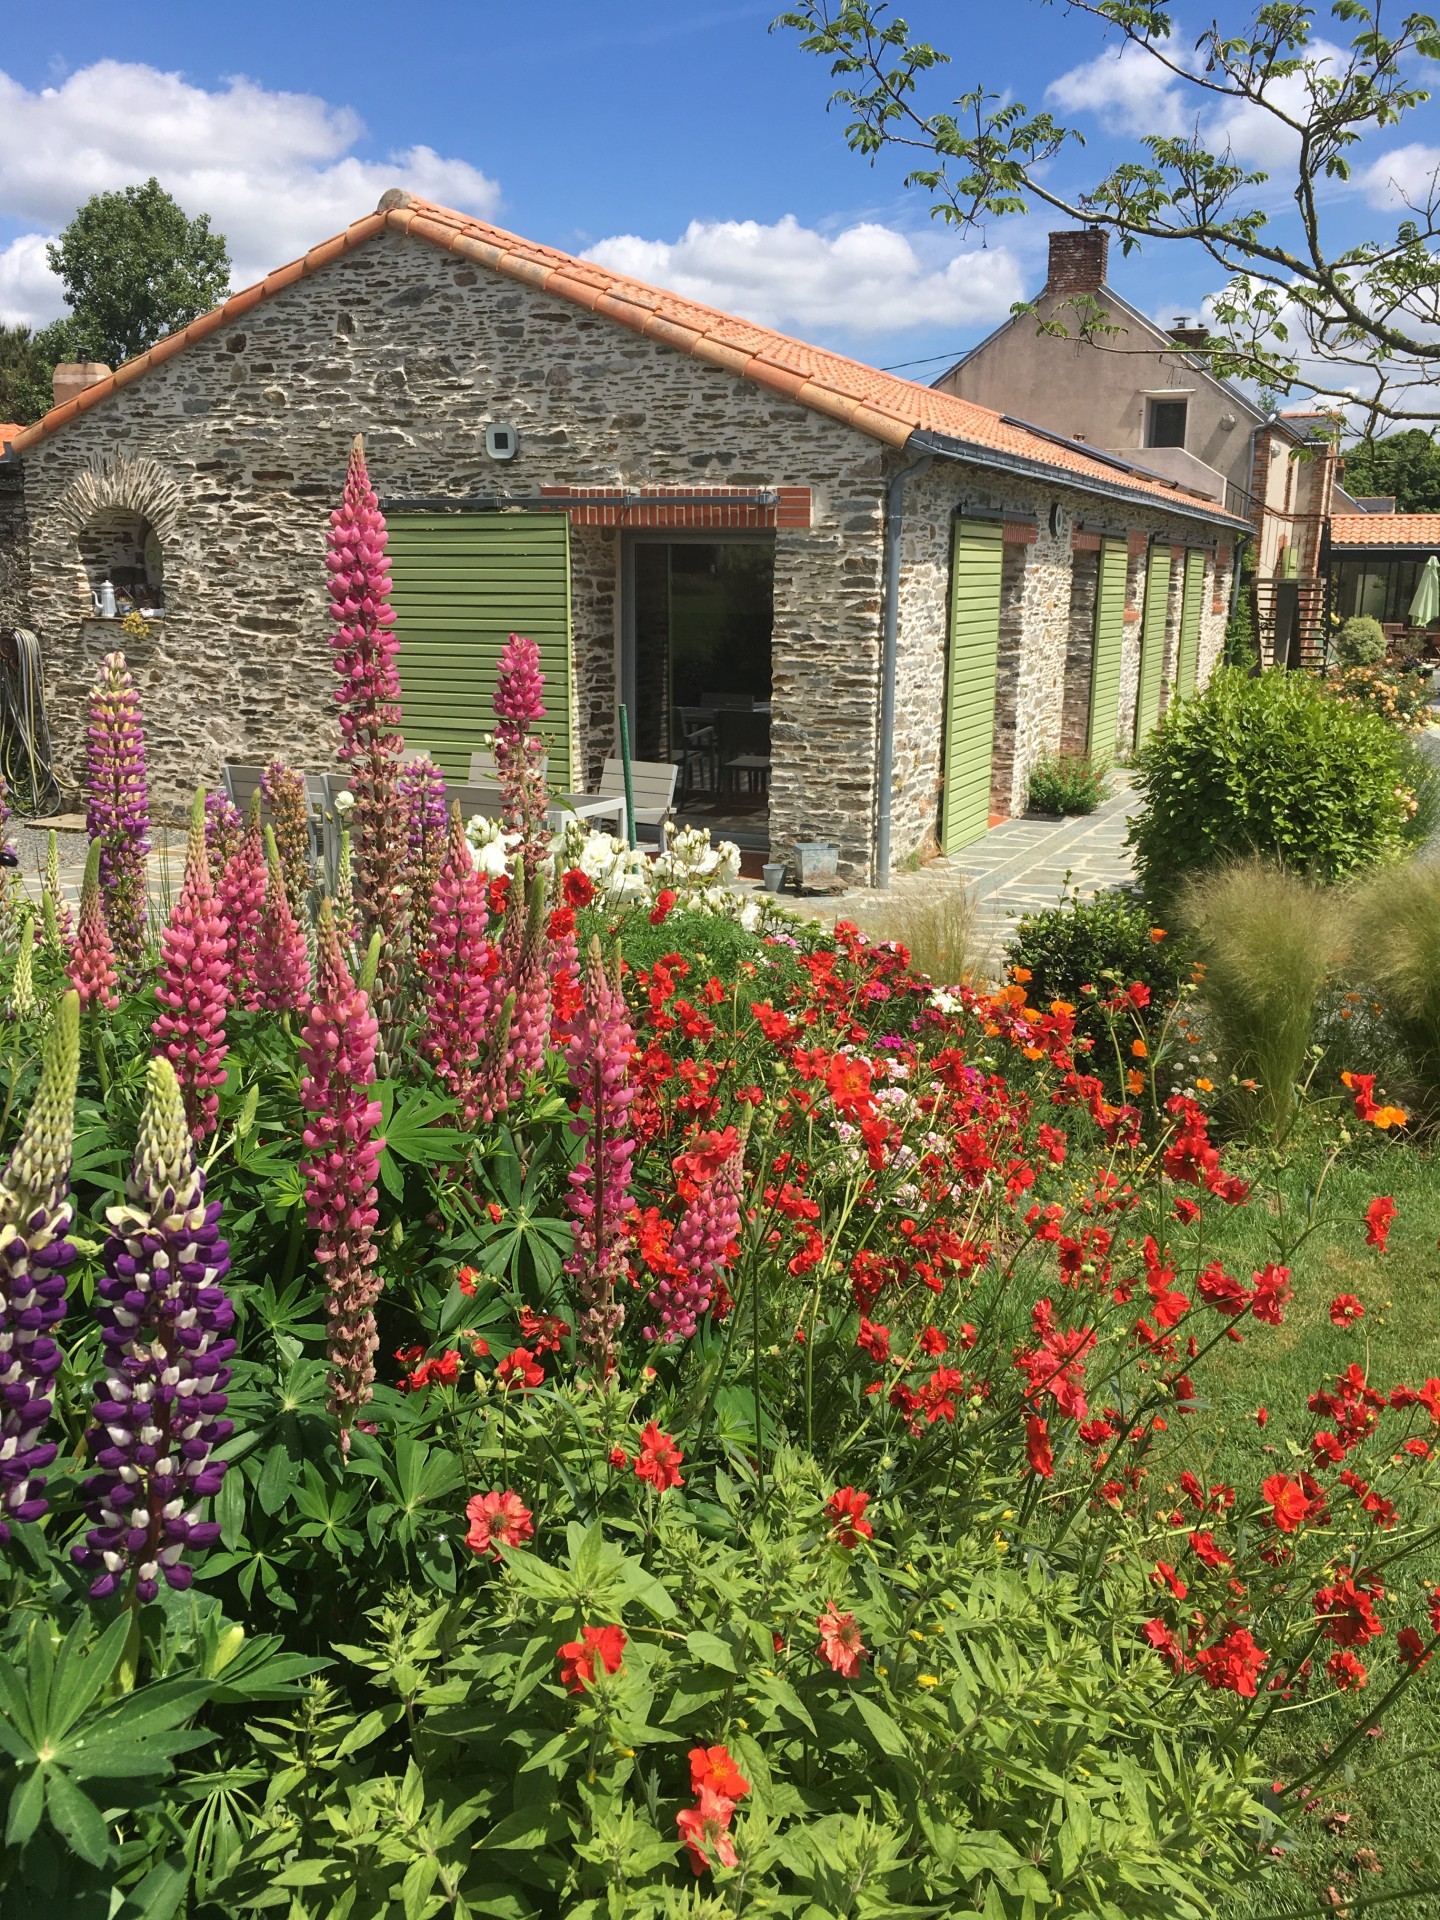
[{"x": 24, "y": 729}]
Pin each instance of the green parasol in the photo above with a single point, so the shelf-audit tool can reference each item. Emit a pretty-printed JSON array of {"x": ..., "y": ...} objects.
[{"x": 1425, "y": 606}]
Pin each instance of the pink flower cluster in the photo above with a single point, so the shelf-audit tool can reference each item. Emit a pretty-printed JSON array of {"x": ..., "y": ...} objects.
[
  {"x": 427, "y": 832},
  {"x": 91, "y": 964},
  {"x": 192, "y": 989},
  {"x": 457, "y": 965},
  {"x": 241, "y": 897},
  {"x": 282, "y": 961},
  {"x": 708, "y": 1174},
  {"x": 601, "y": 1044},
  {"x": 118, "y": 809},
  {"x": 341, "y": 1166},
  {"x": 519, "y": 755}
]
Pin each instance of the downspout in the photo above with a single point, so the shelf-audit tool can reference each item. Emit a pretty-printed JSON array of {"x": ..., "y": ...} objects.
[{"x": 894, "y": 525}]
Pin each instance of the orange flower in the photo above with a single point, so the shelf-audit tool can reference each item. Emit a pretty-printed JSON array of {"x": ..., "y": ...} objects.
[
  {"x": 1157, "y": 934},
  {"x": 1021, "y": 975},
  {"x": 1204, "y": 1085},
  {"x": 1139, "y": 1049},
  {"x": 1134, "y": 1080},
  {"x": 840, "y": 1641}
]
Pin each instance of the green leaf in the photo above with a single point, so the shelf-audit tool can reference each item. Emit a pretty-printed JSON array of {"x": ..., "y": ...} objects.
[
  {"x": 277, "y": 1477},
  {"x": 76, "y": 1818},
  {"x": 711, "y": 1651},
  {"x": 79, "y": 1678},
  {"x": 886, "y": 1730},
  {"x": 159, "y": 1894},
  {"x": 26, "y": 1804}
]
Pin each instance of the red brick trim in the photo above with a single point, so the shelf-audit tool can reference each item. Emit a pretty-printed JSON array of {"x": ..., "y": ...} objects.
[
  {"x": 1177, "y": 556},
  {"x": 1137, "y": 543},
  {"x": 1020, "y": 533},
  {"x": 1132, "y": 613},
  {"x": 1082, "y": 542},
  {"x": 726, "y": 509}
]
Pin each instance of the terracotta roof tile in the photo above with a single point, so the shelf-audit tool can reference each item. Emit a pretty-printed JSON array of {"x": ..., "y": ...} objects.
[
  {"x": 1385, "y": 530},
  {"x": 880, "y": 404},
  {"x": 9, "y": 430}
]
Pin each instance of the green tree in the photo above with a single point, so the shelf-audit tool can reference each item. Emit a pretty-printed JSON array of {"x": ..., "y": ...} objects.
[
  {"x": 1406, "y": 464},
  {"x": 135, "y": 268},
  {"x": 27, "y": 360},
  {"x": 1302, "y": 308}
]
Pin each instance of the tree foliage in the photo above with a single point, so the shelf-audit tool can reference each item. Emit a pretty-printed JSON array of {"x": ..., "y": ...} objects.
[
  {"x": 1405, "y": 464},
  {"x": 1356, "y": 322},
  {"x": 135, "y": 268},
  {"x": 27, "y": 360}
]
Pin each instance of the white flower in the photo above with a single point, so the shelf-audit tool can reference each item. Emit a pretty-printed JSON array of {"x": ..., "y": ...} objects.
[{"x": 344, "y": 801}]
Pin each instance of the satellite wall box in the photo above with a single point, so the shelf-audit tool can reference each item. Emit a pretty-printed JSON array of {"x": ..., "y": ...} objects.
[{"x": 502, "y": 443}]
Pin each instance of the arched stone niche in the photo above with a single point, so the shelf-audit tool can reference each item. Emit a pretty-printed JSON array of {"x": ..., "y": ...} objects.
[{"x": 122, "y": 514}]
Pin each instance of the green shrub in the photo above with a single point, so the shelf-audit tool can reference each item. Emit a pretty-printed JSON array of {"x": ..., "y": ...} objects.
[
  {"x": 1240, "y": 634},
  {"x": 1266, "y": 940},
  {"x": 1108, "y": 941},
  {"x": 1271, "y": 765},
  {"x": 1067, "y": 783},
  {"x": 1360, "y": 642},
  {"x": 1403, "y": 699},
  {"x": 1395, "y": 921}
]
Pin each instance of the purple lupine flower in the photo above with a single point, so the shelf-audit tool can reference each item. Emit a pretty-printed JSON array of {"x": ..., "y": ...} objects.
[
  {"x": 118, "y": 810},
  {"x": 601, "y": 1044},
  {"x": 341, "y": 1167},
  {"x": 240, "y": 896},
  {"x": 5, "y": 815},
  {"x": 427, "y": 837},
  {"x": 364, "y": 653},
  {"x": 457, "y": 965},
  {"x": 192, "y": 989},
  {"x": 708, "y": 1174},
  {"x": 282, "y": 960},
  {"x": 165, "y": 1324},
  {"x": 525, "y": 978},
  {"x": 224, "y": 830},
  {"x": 283, "y": 790},
  {"x": 90, "y": 964},
  {"x": 519, "y": 754},
  {"x": 35, "y": 1217}
]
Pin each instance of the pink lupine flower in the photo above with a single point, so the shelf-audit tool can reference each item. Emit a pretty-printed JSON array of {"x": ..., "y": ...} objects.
[
  {"x": 709, "y": 1175},
  {"x": 364, "y": 653},
  {"x": 341, "y": 1167},
  {"x": 224, "y": 830},
  {"x": 602, "y": 1042},
  {"x": 117, "y": 814},
  {"x": 524, "y": 977},
  {"x": 427, "y": 835},
  {"x": 192, "y": 989},
  {"x": 91, "y": 964},
  {"x": 519, "y": 754},
  {"x": 241, "y": 899},
  {"x": 282, "y": 962},
  {"x": 457, "y": 965}
]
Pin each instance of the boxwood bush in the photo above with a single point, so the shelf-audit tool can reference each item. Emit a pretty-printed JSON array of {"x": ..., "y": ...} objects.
[{"x": 1273, "y": 765}]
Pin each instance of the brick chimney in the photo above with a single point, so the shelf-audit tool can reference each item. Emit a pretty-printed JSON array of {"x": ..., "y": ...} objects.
[
  {"x": 1078, "y": 259},
  {"x": 74, "y": 376},
  {"x": 1184, "y": 335}
]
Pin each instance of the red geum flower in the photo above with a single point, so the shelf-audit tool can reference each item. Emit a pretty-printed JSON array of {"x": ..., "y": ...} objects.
[
  {"x": 577, "y": 889},
  {"x": 1234, "y": 1662},
  {"x": 619, "y": 1459},
  {"x": 1166, "y": 1576},
  {"x": 1346, "y": 1671},
  {"x": 520, "y": 1368},
  {"x": 1272, "y": 1294},
  {"x": 465, "y": 1279},
  {"x": 578, "y": 1657},
  {"x": 497, "y": 1520},
  {"x": 664, "y": 901},
  {"x": 714, "y": 1768},
  {"x": 1203, "y": 1545},
  {"x": 873, "y": 1340},
  {"x": 1163, "y": 1640},
  {"x": 1410, "y": 1649},
  {"x": 1348, "y": 1611},
  {"x": 1288, "y": 1502},
  {"x": 1345, "y": 1309},
  {"x": 659, "y": 1459},
  {"x": 1038, "y": 1450},
  {"x": 846, "y": 1508},
  {"x": 1378, "y": 1217},
  {"x": 840, "y": 1642},
  {"x": 706, "y": 1825}
]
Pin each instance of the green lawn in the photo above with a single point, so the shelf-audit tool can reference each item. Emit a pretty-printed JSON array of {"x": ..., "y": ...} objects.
[{"x": 1377, "y": 1829}]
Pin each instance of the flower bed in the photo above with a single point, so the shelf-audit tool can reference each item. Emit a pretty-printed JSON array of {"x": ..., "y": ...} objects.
[{"x": 589, "y": 1402}]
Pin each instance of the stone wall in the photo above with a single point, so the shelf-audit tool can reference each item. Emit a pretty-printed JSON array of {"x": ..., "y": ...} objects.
[
  {"x": 14, "y": 547},
  {"x": 1080, "y": 651}
]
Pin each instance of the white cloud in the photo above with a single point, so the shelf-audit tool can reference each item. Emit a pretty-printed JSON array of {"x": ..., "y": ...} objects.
[
  {"x": 274, "y": 171},
  {"x": 1407, "y": 175},
  {"x": 867, "y": 280},
  {"x": 1127, "y": 87}
]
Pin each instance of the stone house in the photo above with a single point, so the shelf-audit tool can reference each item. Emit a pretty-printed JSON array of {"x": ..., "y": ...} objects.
[
  {"x": 1131, "y": 389},
  {"x": 924, "y": 593}
]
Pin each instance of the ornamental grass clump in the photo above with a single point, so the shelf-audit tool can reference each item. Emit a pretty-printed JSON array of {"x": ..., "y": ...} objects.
[
  {"x": 598, "y": 1054},
  {"x": 165, "y": 1329},
  {"x": 1395, "y": 937},
  {"x": 193, "y": 990},
  {"x": 35, "y": 1218},
  {"x": 340, "y": 1168},
  {"x": 1266, "y": 942},
  {"x": 118, "y": 810},
  {"x": 364, "y": 653}
]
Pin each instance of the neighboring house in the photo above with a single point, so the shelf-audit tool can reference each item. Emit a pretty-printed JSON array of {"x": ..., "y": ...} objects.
[
  {"x": 926, "y": 594},
  {"x": 1373, "y": 563},
  {"x": 1135, "y": 394}
]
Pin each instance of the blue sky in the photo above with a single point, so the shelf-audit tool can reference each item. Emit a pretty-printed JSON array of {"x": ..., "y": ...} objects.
[{"x": 685, "y": 142}]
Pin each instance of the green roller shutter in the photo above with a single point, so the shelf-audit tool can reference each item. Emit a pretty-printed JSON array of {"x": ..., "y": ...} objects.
[
  {"x": 1109, "y": 645},
  {"x": 1152, "y": 641},
  {"x": 976, "y": 556},
  {"x": 464, "y": 582},
  {"x": 1190, "y": 624}
]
